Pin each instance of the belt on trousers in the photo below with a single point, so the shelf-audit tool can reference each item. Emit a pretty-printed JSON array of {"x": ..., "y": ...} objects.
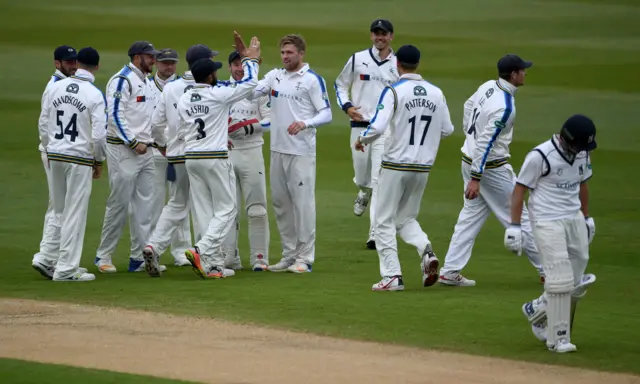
[
  {"x": 359, "y": 124},
  {"x": 489, "y": 164}
]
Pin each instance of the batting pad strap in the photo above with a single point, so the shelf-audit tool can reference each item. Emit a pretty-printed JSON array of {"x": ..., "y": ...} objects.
[{"x": 559, "y": 276}]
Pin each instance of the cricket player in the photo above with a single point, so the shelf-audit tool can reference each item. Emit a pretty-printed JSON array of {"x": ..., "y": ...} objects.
[
  {"x": 416, "y": 115},
  {"x": 131, "y": 168},
  {"x": 75, "y": 147},
  {"x": 249, "y": 119},
  {"x": 489, "y": 115},
  {"x": 166, "y": 62},
  {"x": 299, "y": 105},
  {"x": 65, "y": 61},
  {"x": 176, "y": 212},
  {"x": 556, "y": 173},
  {"x": 204, "y": 123},
  {"x": 358, "y": 87}
]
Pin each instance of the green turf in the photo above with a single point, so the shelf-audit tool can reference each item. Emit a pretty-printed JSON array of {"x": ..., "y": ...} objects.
[
  {"x": 586, "y": 55},
  {"x": 27, "y": 372}
]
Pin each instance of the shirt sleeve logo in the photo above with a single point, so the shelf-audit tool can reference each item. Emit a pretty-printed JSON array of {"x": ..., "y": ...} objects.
[{"x": 380, "y": 107}]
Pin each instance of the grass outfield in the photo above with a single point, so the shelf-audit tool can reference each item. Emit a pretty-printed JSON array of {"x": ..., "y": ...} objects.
[
  {"x": 585, "y": 57},
  {"x": 27, "y": 372}
]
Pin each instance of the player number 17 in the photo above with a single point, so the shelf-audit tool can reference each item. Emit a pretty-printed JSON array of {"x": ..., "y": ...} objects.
[{"x": 412, "y": 121}]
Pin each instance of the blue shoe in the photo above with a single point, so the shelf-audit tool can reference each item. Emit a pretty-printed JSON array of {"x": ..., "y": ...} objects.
[{"x": 136, "y": 265}]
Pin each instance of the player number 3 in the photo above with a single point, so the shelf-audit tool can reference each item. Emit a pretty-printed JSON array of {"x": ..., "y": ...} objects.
[{"x": 201, "y": 133}]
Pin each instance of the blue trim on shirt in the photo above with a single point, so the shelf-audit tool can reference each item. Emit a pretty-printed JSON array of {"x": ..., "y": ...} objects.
[
  {"x": 384, "y": 92},
  {"x": 335, "y": 86},
  {"x": 323, "y": 89},
  {"x": 505, "y": 117},
  {"x": 125, "y": 71}
]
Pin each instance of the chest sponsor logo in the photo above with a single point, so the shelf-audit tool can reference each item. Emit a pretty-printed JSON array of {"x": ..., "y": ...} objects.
[{"x": 140, "y": 99}]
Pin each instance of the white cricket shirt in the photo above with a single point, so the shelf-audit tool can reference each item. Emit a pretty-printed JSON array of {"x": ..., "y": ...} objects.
[
  {"x": 43, "y": 121},
  {"x": 417, "y": 115},
  {"x": 554, "y": 181},
  {"x": 295, "y": 96},
  {"x": 130, "y": 102},
  {"x": 488, "y": 120},
  {"x": 166, "y": 114},
  {"x": 77, "y": 118},
  {"x": 246, "y": 109},
  {"x": 361, "y": 81},
  {"x": 203, "y": 113}
]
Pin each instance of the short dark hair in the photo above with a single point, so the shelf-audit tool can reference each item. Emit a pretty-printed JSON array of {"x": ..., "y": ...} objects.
[
  {"x": 410, "y": 67},
  {"x": 505, "y": 75},
  {"x": 295, "y": 40}
]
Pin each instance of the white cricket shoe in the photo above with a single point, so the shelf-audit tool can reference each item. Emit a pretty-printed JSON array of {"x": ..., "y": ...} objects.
[
  {"x": 389, "y": 283},
  {"x": 104, "y": 266},
  {"x": 562, "y": 346},
  {"x": 299, "y": 267},
  {"x": 78, "y": 276},
  {"x": 540, "y": 331},
  {"x": 282, "y": 265},
  {"x": 226, "y": 272},
  {"x": 44, "y": 269},
  {"x": 360, "y": 205},
  {"x": 260, "y": 265},
  {"x": 455, "y": 279},
  {"x": 142, "y": 267},
  {"x": 180, "y": 260},
  {"x": 151, "y": 261},
  {"x": 429, "y": 266}
]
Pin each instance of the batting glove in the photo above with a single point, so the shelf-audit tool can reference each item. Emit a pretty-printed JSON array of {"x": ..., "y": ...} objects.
[
  {"x": 242, "y": 128},
  {"x": 513, "y": 239},
  {"x": 591, "y": 228}
]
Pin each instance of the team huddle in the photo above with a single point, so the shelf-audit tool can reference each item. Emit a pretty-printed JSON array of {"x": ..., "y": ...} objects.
[{"x": 200, "y": 138}]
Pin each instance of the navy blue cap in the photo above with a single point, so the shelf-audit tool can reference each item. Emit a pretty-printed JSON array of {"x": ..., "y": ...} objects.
[
  {"x": 88, "y": 56},
  {"x": 511, "y": 63},
  {"x": 579, "y": 131},
  {"x": 199, "y": 51},
  {"x": 167, "y": 54},
  {"x": 65, "y": 52},
  {"x": 202, "y": 68},
  {"x": 233, "y": 55},
  {"x": 408, "y": 54},
  {"x": 142, "y": 48},
  {"x": 383, "y": 24}
]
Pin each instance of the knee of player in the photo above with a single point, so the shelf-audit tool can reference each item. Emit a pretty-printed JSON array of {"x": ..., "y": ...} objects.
[
  {"x": 559, "y": 276},
  {"x": 256, "y": 210}
]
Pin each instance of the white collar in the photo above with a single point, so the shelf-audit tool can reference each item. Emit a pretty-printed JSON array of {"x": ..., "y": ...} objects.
[
  {"x": 59, "y": 74},
  {"x": 161, "y": 83},
  {"x": 507, "y": 86},
  {"x": 411, "y": 76},
  {"x": 137, "y": 71},
  {"x": 188, "y": 75},
  {"x": 376, "y": 54},
  {"x": 301, "y": 71},
  {"x": 84, "y": 75}
]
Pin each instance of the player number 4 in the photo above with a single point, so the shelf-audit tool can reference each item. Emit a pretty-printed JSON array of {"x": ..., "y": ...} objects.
[
  {"x": 412, "y": 121},
  {"x": 72, "y": 127}
]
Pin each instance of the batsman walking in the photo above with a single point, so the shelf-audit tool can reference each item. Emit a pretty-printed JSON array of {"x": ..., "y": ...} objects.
[{"x": 556, "y": 173}]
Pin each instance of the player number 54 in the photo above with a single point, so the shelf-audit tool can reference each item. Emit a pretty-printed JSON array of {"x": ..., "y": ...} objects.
[{"x": 71, "y": 129}]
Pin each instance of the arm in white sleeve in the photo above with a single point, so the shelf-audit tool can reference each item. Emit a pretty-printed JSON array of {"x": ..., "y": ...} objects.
[
  {"x": 265, "y": 112},
  {"x": 118, "y": 95},
  {"x": 99, "y": 130},
  {"x": 264, "y": 86},
  {"x": 324, "y": 116},
  {"x": 486, "y": 137},
  {"x": 242, "y": 88},
  {"x": 43, "y": 121},
  {"x": 343, "y": 84},
  {"x": 447, "y": 125},
  {"x": 532, "y": 169},
  {"x": 467, "y": 112},
  {"x": 382, "y": 118},
  {"x": 159, "y": 123}
]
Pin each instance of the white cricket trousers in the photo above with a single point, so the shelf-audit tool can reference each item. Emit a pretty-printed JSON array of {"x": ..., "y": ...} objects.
[
  {"x": 293, "y": 183},
  {"x": 48, "y": 253},
  {"x": 561, "y": 240},
  {"x": 71, "y": 192},
  {"x": 130, "y": 181},
  {"x": 213, "y": 193},
  {"x": 173, "y": 225},
  {"x": 251, "y": 186},
  {"x": 366, "y": 166},
  {"x": 496, "y": 187},
  {"x": 397, "y": 212}
]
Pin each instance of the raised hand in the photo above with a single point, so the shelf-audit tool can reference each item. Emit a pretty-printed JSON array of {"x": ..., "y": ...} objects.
[
  {"x": 253, "y": 51},
  {"x": 239, "y": 44}
]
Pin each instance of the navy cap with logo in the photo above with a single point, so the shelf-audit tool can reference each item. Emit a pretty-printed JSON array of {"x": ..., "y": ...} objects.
[
  {"x": 167, "y": 54},
  {"x": 142, "y": 48},
  {"x": 382, "y": 24},
  {"x": 65, "y": 52},
  {"x": 199, "y": 51},
  {"x": 511, "y": 63},
  {"x": 408, "y": 54},
  {"x": 88, "y": 56},
  {"x": 579, "y": 132},
  {"x": 202, "y": 68},
  {"x": 233, "y": 56}
]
